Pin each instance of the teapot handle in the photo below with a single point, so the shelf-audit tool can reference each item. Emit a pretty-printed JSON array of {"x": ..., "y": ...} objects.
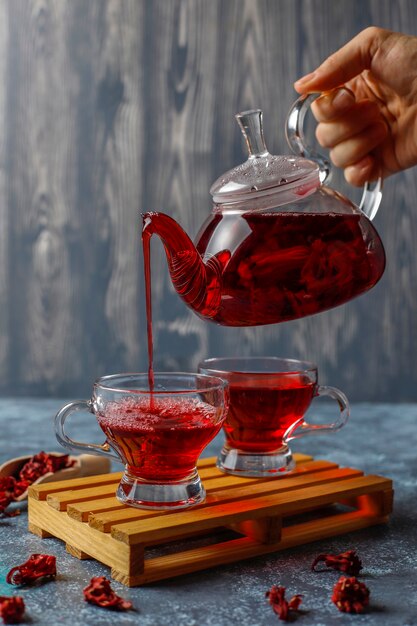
[{"x": 372, "y": 192}]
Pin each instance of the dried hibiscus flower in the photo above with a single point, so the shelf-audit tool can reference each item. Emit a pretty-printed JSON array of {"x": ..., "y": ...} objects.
[
  {"x": 11, "y": 609},
  {"x": 350, "y": 595},
  {"x": 7, "y": 487},
  {"x": 7, "y": 484},
  {"x": 280, "y": 606},
  {"x": 100, "y": 592},
  {"x": 11, "y": 487},
  {"x": 37, "y": 566},
  {"x": 5, "y": 500},
  {"x": 43, "y": 463},
  {"x": 347, "y": 562}
]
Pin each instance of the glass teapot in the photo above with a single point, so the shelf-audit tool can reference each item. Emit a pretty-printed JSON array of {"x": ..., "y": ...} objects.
[{"x": 279, "y": 243}]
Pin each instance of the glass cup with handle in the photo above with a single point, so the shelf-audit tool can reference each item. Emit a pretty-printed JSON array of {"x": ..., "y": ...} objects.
[
  {"x": 157, "y": 434},
  {"x": 269, "y": 397}
]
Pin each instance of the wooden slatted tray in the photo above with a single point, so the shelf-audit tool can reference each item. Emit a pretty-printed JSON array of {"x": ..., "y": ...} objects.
[{"x": 85, "y": 513}]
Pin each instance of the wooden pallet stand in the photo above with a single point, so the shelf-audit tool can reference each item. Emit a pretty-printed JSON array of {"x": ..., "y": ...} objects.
[{"x": 85, "y": 514}]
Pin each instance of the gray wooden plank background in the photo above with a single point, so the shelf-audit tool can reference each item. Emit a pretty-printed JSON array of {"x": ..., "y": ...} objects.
[{"x": 111, "y": 107}]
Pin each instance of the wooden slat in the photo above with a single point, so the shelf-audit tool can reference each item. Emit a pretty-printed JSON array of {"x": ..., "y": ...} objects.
[
  {"x": 299, "y": 457},
  {"x": 104, "y": 521},
  {"x": 81, "y": 510},
  {"x": 60, "y": 501},
  {"x": 288, "y": 502},
  {"x": 206, "y": 462},
  {"x": 40, "y": 492},
  {"x": 243, "y": 548},
  {"x": 265, "y": 530},
  {"x": 61, "y": 494},
  {"x": 61, "y": 498},
  {"x": 229, "y": 481}
]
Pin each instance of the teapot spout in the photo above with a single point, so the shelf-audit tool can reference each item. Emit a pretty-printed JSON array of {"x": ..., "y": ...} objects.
[{"x": 196, "y": 282}]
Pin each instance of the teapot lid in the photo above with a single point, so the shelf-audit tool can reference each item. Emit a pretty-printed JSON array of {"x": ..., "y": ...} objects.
[{"x": 263, "y": 173}]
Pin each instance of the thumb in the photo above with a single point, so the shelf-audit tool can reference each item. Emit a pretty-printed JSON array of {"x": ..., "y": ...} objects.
[{"x": 346, "y": 63}]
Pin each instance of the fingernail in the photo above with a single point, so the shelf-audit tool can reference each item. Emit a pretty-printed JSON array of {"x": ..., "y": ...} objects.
[
  {"x": 342, "y": 100},
  {"x": 364, "y": 163},
  {"x": 305, "y": 79},
  {"x": 359, "y": 172},
  {"x": 360, "y": 166}
]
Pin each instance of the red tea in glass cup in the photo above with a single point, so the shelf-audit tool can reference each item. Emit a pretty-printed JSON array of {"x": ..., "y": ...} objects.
[
  {"x": 157, "y": 434},
  {"x": 269, "y": 397}
]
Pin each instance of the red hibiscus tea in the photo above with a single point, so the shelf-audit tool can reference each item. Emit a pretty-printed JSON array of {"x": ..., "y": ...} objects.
[
  {"x": 157, "y": 429},
  {"x": 261, "y": 411},
  {"x": 159, "y": 438},
  {"x": 269, "y": 398}
]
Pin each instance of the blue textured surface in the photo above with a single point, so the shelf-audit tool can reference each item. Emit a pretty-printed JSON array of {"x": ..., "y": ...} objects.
[{"x": 379, "y": 439}]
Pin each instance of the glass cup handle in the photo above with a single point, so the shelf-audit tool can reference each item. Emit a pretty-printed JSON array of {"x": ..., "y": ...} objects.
[
  {"x": 301, "y": 428},
  {"x": 294, "y": 132},
  {"x": 67, "y": 442}
]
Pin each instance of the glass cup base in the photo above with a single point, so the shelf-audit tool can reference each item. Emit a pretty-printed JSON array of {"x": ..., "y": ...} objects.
[
  {"x": 153, "y": 495},
  {"x": 273, "y": 464}
]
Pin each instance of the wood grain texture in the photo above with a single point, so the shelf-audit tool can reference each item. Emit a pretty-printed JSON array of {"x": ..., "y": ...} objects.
[
  {"x": 5, "y": 344},
  {"x": 110, "y": 108}
]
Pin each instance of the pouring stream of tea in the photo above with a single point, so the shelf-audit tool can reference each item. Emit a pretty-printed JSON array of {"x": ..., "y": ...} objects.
[{"x": 146, "y": 242}]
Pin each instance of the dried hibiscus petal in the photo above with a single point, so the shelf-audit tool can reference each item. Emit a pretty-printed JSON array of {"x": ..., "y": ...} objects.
[
  {"x": 37, "y": 466},
  {"x": 347, "y": 562},
  {"x": 100, "y": 592},
  {"x": 11, "y": 609},
  {"x": 7, "y": 485},
  {"x": 37, "y": 566},
  {"x": 19, "y": 487},
  {"x": 43, "y": 463},
  {"x": 4, "y": 503},
  {"x": 280, "y": 606},
  {"x": 350, "y": 595}
]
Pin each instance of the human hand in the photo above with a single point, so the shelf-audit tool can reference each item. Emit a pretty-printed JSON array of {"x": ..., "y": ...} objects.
[{"x": 369, "y": 117}]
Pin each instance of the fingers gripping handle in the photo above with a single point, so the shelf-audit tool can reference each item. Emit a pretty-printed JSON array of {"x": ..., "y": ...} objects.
[
  {"x": 372, "y": 192},
  {"x": 301, "y": 428},
  {"x": 66, "y": 441}
]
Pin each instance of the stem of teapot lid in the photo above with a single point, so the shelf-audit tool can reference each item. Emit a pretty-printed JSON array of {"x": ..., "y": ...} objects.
[{"x": 250, "y": 123}]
